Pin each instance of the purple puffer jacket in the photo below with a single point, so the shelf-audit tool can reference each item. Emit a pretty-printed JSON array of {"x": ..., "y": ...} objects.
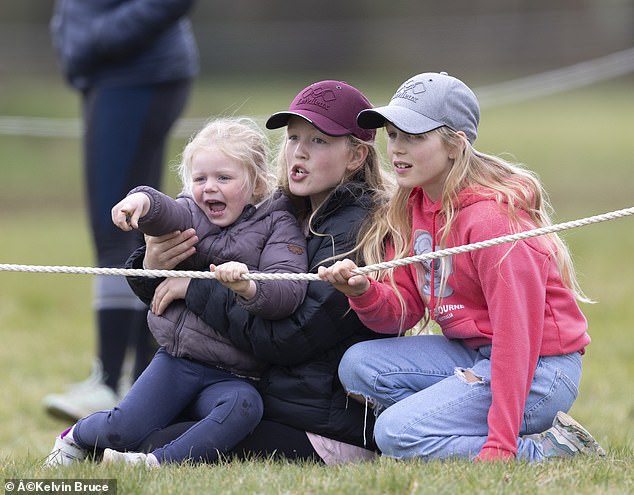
[{"x": 266, "y": 239}]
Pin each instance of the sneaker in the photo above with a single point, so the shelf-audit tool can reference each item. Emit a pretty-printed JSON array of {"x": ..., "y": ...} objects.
[
  {"x": 567, "y": 438},
  {"x": 83, "y": 398},
  {"x": 65, "y": 452},
  {"x": 112, "y": 456}
]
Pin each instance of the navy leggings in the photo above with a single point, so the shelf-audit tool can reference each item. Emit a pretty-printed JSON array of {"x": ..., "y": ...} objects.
[
  {"x": 126, "y": 131},
  {"x": 230, "y": 408}
]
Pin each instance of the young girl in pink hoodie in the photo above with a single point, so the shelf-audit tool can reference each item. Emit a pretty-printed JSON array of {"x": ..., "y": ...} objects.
[{"x": 496, "y": 383}]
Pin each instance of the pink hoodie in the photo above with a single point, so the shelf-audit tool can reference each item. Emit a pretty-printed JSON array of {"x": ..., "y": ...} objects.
[{"x": 510, "y": 296}]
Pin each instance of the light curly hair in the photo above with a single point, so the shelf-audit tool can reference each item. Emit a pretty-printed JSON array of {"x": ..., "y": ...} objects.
[{"x": 239, "y": 138}]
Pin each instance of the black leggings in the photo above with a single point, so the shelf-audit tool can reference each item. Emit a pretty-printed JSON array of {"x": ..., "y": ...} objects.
[{"x": 268, "y": 440}]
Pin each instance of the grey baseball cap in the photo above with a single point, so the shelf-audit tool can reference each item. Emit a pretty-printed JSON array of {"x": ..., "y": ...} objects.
[{"x": 425, "y": 102}]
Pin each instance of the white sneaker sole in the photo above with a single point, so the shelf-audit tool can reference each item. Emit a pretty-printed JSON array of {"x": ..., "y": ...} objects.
[{"x": 587, "y": 444}]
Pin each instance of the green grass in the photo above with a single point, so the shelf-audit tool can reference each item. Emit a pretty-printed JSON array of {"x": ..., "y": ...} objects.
[
  {"x": 581, "y": 145},
  {"x": 383, "y": 477}
]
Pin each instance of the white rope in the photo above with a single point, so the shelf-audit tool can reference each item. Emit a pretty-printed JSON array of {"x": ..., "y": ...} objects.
[
  {"x": 545, "y": 83},
  {"x": 130, "y": 272},
  {"x": 557, "y": 80},
  {"x": 498, "y": 240}
]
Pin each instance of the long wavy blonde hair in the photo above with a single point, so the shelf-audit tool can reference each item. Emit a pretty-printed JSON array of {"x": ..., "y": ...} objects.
[{"x": 512, "y": 186}]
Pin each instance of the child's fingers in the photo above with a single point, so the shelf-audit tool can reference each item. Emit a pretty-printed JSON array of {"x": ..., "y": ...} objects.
[
  {"x": 133, "y": 219},
  {"x": 121, "y": 219},
  {"x": 231, "y": 271},
  {"x": 341, "y": 271}
]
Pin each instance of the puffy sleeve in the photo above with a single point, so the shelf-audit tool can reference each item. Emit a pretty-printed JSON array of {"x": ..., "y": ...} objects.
[
  {"x": 323, "y": 320},
  {"x": 165, "y": 215},
  {"x": 283, "y": 252}
]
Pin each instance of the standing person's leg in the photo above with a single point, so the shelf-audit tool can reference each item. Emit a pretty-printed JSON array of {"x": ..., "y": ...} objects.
[
  {"x": 124, "y": 148},
  {"x": 124, "y": 145},
  {"x": 230, "y": 408}
]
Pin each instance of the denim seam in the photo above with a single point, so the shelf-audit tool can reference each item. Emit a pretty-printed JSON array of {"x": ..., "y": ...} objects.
[{"x": 472, "y": 392}]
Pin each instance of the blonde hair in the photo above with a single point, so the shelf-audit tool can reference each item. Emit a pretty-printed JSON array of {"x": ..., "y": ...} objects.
[
  {"x": 239, "y": 138},
  {"x": 513, "y": 187},
  {"x": 370, "y": 174}
]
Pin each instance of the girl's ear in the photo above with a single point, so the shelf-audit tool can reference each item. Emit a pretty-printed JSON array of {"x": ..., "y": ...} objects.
[
  {"x": 260, "y": 188},
  {"x": 359, "y": 155},
  {"x": 455, "y": 151}
]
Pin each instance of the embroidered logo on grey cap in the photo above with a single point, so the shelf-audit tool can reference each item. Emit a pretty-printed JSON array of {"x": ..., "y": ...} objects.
[
  {"x": 426, "y": 102},
  {"x": 410, "y": 89}
]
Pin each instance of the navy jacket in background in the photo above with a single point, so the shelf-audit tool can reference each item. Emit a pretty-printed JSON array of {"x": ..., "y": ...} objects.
[{"x": 124, "y": 42}]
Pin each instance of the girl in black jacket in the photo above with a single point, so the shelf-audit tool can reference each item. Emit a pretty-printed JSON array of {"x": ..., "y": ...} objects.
[{"x": 329, "y": 166}]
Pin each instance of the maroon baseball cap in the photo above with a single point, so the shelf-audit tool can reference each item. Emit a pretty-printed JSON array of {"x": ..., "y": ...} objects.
[{"x": 331, "y": 106}]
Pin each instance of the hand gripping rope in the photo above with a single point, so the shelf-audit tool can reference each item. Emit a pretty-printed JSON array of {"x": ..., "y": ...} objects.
[{"x": 128, "y": 272}]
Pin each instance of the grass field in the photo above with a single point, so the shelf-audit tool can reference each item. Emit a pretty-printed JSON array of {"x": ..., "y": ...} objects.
[{"x": 579, "y": 142}]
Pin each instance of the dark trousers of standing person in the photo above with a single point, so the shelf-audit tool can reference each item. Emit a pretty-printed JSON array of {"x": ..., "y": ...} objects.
[{"x": 126, "y": 131}]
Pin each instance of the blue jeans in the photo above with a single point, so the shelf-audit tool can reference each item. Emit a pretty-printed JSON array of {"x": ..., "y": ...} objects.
[
  {"x": 230, "y": 408},
  {"x": 426, "y": 407}
]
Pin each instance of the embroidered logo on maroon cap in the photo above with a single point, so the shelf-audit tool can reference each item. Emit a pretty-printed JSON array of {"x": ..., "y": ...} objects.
[
  {"x": 331, "y": 106},
  {"x": 317, "y": 96}
]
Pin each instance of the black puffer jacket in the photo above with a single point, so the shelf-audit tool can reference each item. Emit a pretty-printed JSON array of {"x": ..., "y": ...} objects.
[{"x": 301, "y": 388}]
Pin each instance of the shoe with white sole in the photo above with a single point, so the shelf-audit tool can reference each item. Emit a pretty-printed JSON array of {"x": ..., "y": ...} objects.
[
  {"x": 65, "y": 452},
  {"x": 83, "y": 398},
  {"x": 567, "y": 438},
  {"x": 111, "y": 456}
]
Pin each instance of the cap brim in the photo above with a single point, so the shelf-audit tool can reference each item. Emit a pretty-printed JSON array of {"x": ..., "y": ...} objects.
[
  {"x": 405, "y": 119},
  {"x": 324, "y": 124},
  {"x": 277, "y": 120}
]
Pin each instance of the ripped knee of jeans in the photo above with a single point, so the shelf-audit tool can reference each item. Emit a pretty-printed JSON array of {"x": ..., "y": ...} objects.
[
  {"x": 467, "y": 376},
  {"x": 369, "y": 403}
]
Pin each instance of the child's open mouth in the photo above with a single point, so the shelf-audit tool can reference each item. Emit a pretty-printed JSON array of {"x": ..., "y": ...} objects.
[{"x": 216, "y": 208}]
